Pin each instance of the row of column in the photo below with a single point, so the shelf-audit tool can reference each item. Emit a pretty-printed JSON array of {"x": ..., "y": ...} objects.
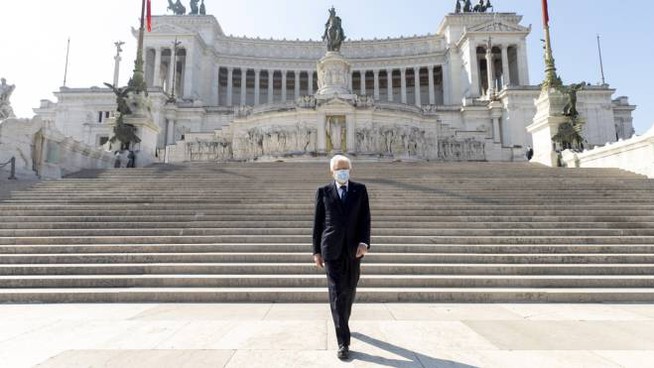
[{"x": 230, "y": 99}]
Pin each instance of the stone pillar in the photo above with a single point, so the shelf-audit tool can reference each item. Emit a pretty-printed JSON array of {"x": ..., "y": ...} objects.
[
  {"x": 416, "y": 78},
  {"x": 244, "y": 86},
  {"x": 157, "y": 67},
  {"x": 171, "y": 71},
  {"x": 283, "y": 85},
  {"x": 376, "y": 93},
  {"x": 403, "y": 84},
  {"x": 271, "y": 86},
  {"x": 310, "y": 83},
  {"x": 189, "y": 75},
  {"x": 297, "y": 84},
  {"x": 523, "y": 65},
  {"x": 215, "y": 87},
  {"x": 389, "y": 84},
  {"x": 496, "y": 112},
  {"x": 475, "y": 82},
  {"x": 351, "y": 82},
  {"x": 230, "y": 86},
  {"x": 170, "y": 132},
  {"x": 257, "y": 85},
  {"x": 363, "y": 82},
  {"x": 506, "y": 75},
  {"x": 447, "y": 87},
  {"x": 321, "y": 142},
  {"x": 350, "y": 135},
  {"x": 432, "y": 95},
  {"x": 490, "y": 71}
]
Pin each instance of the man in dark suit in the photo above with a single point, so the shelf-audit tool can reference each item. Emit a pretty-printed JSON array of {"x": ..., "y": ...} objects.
[{"x": 341, "y": 238}]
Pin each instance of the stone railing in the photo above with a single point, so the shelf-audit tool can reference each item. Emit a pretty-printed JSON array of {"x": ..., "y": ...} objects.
[
  {"x": 41, "y": 150},
  {"x": 635, "y": 155}
]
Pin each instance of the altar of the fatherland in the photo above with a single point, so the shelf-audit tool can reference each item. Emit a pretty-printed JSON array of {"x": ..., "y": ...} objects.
[{"x": 461, "y": 94}]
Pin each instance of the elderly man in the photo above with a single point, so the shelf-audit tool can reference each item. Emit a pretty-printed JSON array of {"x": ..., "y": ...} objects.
[{"x": 341, "y": 238}]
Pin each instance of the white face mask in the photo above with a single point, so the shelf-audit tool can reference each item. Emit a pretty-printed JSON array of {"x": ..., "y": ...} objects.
[{"x": 342, "y": 176}]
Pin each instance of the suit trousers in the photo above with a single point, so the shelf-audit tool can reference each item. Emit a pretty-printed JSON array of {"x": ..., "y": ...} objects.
[{"x": 342, "y": 278}]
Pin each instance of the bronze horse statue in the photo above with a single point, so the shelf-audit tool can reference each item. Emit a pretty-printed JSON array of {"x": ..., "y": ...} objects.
[{"x": 334, "y": 34}]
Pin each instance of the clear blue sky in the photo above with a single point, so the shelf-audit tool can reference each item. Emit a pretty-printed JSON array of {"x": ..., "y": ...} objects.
[{"x": 33, "y": 59}]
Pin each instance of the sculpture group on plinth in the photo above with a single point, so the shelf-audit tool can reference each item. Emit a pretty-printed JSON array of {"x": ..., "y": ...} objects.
[
  {"x": 5, "y": 105},
  {"x": 333, "y": 69},
  {"x": 179, "y": 9},
  {"x": 465, "y": 6}
]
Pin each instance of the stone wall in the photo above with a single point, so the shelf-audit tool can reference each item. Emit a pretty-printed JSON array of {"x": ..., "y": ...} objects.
[
  {"x": 43, "y": 151},
  {"x": 635, "y": 155}
]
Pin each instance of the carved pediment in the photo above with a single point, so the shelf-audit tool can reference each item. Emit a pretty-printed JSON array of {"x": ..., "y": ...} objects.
[
  {"x": 170, "y": 29},
  {"x": 497, "y": 26}
]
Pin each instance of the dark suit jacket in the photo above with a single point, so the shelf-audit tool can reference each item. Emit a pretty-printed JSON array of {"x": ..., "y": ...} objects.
[{"x": 339, "y": 227}]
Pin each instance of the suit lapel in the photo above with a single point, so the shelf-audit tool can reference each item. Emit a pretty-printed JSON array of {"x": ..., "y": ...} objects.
[
  {"x": 352, "y": 193},
  {"x": 335, "y": 197}
]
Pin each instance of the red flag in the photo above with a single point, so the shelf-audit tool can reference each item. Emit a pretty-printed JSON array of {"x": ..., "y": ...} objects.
[
  {"x": 546, "y": 14},
  {"x": 149, "y": 16}
]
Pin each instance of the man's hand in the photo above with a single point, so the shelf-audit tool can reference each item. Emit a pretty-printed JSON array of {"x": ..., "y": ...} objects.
[
  {"x": 362, "y": 250},
  {"x": 317, "y": 259}
]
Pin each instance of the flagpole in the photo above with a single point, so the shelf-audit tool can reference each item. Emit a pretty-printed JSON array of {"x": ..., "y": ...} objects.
[
  {"x": 66, "y": 68},
  {"x": 599, "y": 49},
  {"x": 551, "y": 79},
  {"x": 138, "y": 79}
]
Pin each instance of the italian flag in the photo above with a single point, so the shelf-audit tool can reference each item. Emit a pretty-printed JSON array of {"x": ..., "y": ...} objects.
[
  {"x": 148, "y": 16},
  {"x": 546, "y": 14}
]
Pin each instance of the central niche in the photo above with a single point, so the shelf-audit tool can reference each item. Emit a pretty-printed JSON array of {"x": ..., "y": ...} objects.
[{"x": 336, "y": 133}]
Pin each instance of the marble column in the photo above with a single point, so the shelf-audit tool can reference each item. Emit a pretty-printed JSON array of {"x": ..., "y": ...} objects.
[
  {"x": 506, "y": 75},
  {"x": 310, "y": 83},
  {"x": 389, "y": 84},
  {"x": 497, "y": 137},
  {"x": 215, "y": 85},
  {"x": 297, "y": 84},
  {"x": 376, "y": 93},
  {"x": 171, "y": 70},
  {"x": 447, "y": 88},
  {"x": 157, "y": 67},
  {"x": 244, "y": 86},
  {"x": 475, "y": 87},
  {"x": 321, "y": 141},
  {"x": 189, "y": 74},
  {"x": 271, "y": 86},
  {"x": 170, "y": 132},
  {"x": 403, "y": 84},
  {"x": 416, "y": 78},
  {"x": 350, "y": 135},
  {"x": 284, "y": 86},
  {"x": 257, "y": 86},
  {"x": 351, "y": 82},
  {"x": 490, "y": 71},
  {"x": 432, "y": 95},
  {"x": 523, "y": 65},
  {"x": 363, "y": 82},
  {"x": 230, "y": 86}
]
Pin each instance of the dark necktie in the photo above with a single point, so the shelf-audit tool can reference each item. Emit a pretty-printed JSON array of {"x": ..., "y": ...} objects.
[{"x": 343, "y": 193}]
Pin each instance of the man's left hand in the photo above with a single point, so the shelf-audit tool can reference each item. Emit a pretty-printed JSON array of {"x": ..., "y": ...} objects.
[{"x": 362, "y": 250}]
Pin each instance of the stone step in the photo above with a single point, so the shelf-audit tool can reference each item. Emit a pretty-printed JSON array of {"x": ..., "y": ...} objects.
[
  {"x": 305, "y": 248},
  {"x": 307, "y": 232},
  {"x": 319, "y": 295},
  {"x": 312, "y": 281},
  {"x": 235, "y": 219},
  {"x": 302, "y": 239},
  {"x": 309, "y": 268},
  {"x": 296, "y": 257},
  {"x": 377, "y": 224}
]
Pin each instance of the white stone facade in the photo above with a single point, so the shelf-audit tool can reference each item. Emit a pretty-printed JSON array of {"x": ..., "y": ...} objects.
[{"x": 424, "y": 97}]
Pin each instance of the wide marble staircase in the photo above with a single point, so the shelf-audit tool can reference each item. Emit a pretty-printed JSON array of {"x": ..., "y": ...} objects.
[{"x": 468, "y": 232}]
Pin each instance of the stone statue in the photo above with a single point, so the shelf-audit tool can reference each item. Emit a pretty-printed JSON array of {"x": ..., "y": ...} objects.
[
  {"x": 570, "y": 109},
  {"x": 5, "y": 105},
  {"x": 177, "y": 7},
  {"x": 194, "y": 7},
  {"x": 203, "y": 9},
  {"x": 334, "y": 34},
  {"x": 467, "y": 7},
  {"x": 457, "y": 8}
]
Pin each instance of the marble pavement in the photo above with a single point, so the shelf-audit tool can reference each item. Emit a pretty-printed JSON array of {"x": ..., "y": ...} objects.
[{"x": 301, "y": 335}]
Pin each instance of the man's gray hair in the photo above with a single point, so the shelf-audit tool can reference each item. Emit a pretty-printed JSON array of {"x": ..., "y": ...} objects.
[{"x": 338, "y": 158}]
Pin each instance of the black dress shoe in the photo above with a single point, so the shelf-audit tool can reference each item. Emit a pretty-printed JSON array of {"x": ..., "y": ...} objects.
[{"x": 343, "y": 352}]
